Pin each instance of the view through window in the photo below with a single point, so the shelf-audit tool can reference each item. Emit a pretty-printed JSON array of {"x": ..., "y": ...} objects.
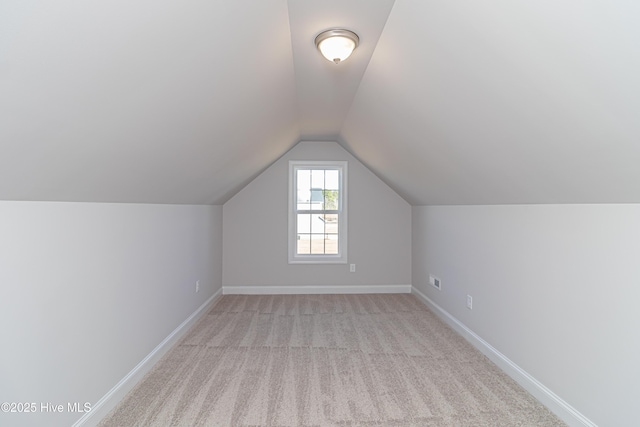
[
  {"x": 318, "y": 192},
  {"x": 318, "y": 212}
]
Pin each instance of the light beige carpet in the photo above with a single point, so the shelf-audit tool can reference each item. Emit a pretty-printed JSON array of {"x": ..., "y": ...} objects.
[{"x": 326, "y": 360}]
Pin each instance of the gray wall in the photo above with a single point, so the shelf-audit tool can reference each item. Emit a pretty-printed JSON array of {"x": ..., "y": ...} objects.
[
  {"x": 88, "y": 290},
  {"x": 255, "y": 229},
  {"x": 554, "y": 289}
]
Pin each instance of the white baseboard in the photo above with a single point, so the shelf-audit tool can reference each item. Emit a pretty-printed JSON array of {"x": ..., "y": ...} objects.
[
  {"x": 310, "y": 290},
  {"x": 126, "y": 384},
  {"x": 555, "y": 403}
]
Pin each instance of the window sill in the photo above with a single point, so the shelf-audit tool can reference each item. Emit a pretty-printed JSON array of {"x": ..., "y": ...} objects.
[{"x": 318, "y": 260}]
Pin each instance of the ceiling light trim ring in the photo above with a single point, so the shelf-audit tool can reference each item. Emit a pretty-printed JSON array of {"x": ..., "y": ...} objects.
[{"x": 337, "y": 33}]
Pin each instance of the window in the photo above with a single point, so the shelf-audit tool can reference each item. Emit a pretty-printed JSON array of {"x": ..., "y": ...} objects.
[{"x": 317, "y": 212}]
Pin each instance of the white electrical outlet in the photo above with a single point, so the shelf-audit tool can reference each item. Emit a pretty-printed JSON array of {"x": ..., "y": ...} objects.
[
  {"x": 435, "y": 282},
  {"x": 352, "y": 268},
  {"x": 469, "y": 302},
  {"x": 197, "y": 285}
]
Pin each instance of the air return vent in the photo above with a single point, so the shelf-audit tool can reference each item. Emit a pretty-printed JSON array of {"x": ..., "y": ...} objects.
[{"x": 435, "y": 282}]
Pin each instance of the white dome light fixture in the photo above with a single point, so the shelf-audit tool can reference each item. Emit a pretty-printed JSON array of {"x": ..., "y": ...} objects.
[{"x": 337, "y": 45}]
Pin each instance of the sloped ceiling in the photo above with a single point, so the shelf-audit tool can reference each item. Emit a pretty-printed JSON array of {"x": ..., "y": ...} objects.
[
  {"x": 449, "y": 102},
  {"x": 157, "y": 101},
  {"x": 491, "y": 102}
]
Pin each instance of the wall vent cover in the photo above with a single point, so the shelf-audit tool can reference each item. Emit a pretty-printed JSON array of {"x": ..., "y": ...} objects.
[{"x": 435, "y": 282}]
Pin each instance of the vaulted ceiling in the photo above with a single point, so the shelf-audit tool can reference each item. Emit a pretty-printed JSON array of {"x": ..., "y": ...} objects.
[{"x": 449, "y": 102}]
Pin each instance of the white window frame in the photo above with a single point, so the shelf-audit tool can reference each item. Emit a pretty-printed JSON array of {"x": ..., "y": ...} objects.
[{"x": 341, "y": 256}]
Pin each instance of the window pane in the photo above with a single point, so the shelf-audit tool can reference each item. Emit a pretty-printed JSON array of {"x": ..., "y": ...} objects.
[
  {"x": 332, "y": 179},
  {"x": 317, "y": 244},
  {"x": 304, "y": 223},
  {"x": 317, "y": 199},
  {"x": 331, "y": 200},
  {"x": 331, "y": 244},
  {"x": 321, "y": 244},
  {"x": 317, "y": 224},
  {"x": 303, "y": 244},
  {"x": 303, "y": 194},
  {"x": 317, "y": 179},
  {"x": 331, "y": 223},
  {"x": 303, "y": 200},
  {"x": 303, "y": 179},
  {"x": 324, "y": 244}
]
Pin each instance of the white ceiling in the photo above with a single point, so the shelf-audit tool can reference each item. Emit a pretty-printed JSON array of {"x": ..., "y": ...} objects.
[
  {"x": 325, "y": 90},
  {"x": 450, "y": 102}
]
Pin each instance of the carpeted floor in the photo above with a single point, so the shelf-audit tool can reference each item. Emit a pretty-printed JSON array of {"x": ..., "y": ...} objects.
[{"x": 326, "y": 360}]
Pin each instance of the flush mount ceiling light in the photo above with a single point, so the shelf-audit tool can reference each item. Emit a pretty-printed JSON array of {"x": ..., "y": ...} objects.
[{"x": 337, "y": 45}]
